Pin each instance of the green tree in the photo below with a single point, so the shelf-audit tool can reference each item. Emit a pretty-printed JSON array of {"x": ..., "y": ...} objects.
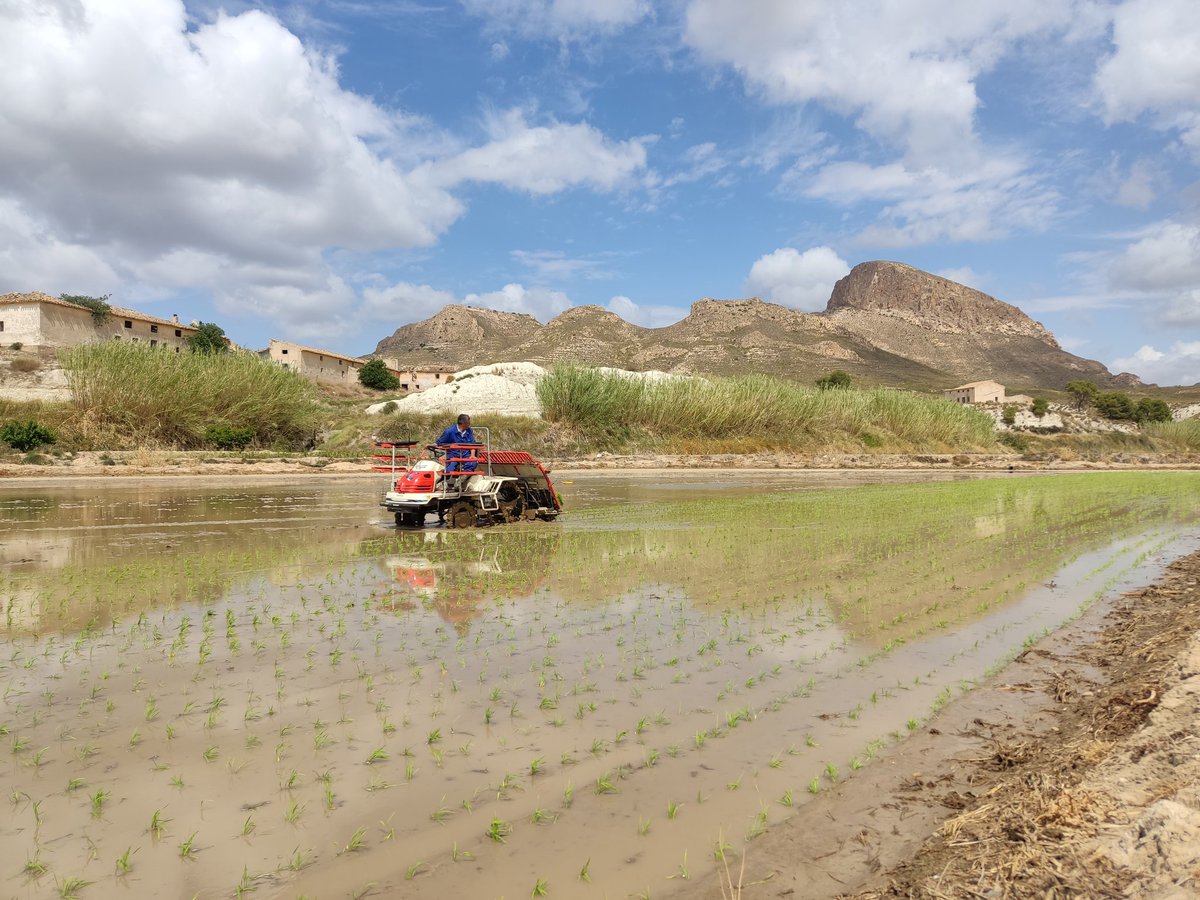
[
  {"x": 209, "y": 338},
  {"x": 1116, "y": 405},
  {"x": 26, "y": 436},
  {"x": 1009, "y": 415},
  {"x": 1083, "y": 393},
  {"x": 1152, "y": 410},
  {"x": 376, "y": 376},
  {"x": 835, "y": 380},
  {"x": 98, "y": 305},
  {"x": 1040, "y": 406}
]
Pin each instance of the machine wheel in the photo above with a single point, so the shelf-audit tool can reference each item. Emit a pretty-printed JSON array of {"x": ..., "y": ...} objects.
[
  {"x": 512, "y": 504},
  {"x": 460, "y": 515},
  {"x": 407, "y": 519}
]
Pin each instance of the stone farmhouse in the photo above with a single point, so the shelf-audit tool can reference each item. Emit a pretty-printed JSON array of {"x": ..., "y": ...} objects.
[
  {"x": 976, "y": 392},
  {"x": 333, "y": 368},
  {"x": 37, "y": 320}
]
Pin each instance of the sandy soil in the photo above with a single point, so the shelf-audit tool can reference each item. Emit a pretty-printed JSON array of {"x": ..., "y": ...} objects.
[
  {"x": 144, "y": 463},
  {"x": 1074, "y": 773}
]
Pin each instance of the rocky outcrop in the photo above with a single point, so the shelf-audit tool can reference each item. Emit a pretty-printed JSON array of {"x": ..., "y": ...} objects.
[
  {"x": 898, "y": 291},
  {"x": 457, "y": 334}
]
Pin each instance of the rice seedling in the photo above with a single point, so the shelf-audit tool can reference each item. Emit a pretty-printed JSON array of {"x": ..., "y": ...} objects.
[
  {"x": 69, "y": 888},
  {"x": 187, "y": 848},
  {"x": 357, "y": 841},
  {"x": 498, "y": 830}
]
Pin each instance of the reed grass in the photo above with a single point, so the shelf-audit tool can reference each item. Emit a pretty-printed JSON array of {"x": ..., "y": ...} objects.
[
  {"x": 126, "y": 393},
  {"x": 1183, "y": 435},
  {"x": 771, "y": 412}
]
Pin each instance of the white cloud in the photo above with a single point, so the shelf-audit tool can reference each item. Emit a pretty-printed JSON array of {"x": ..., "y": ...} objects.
[
  {"x": 905, "y": 70},
  {"x": 1184, "y": 309},
  {"x": 921, "y": 205},
  {"x": 698, "y": 162},
  {"x": 542, "y": 159},
  {"x": 404, "y": 302},
  {"x": 648, "y": 316},
  {"x": 1180, "y": 364},
  {"x": 1165, "y": 257},
  {"x": 800, "y": 280},
  {"x": 1155, "y": 67},
  {"x": 554, "y": 265},
  {"x": 559, "y": 19},
  {"x": 1140, "y": 187},
  {"x": 148, "y": 150}
]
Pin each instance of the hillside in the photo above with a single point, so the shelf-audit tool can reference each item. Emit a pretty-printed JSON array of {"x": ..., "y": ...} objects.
[{"x": 885, "y": 323}]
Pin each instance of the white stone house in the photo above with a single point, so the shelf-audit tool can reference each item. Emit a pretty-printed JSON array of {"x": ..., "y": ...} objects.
[
  {"x": 413, "y": 379},
  {"x": 318, "y": 365},
  {"x": 39, "y": 320},
  {"x": 976, "y": 392}
]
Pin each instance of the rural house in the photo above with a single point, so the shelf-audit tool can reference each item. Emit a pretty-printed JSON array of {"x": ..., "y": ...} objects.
[
  {"x": 39, "y": 320},
  {"x": 976, "y": 392},
  {"x": 318, "y": 365},
  {"x": 419, "y": 379}
]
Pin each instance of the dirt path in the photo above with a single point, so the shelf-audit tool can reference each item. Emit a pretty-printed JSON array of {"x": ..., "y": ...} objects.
[{"x": 1074, "y": 773}]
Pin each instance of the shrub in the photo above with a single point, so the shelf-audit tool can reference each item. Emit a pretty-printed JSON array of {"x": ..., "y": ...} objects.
[
  {"x": 1116, "y": 405},
  {"x": 15, "y": 345},
  {"x": 1152, "y": 410},
  {"x": 390, "y": 407},
  {"x": 209, "y": 338},
  {"x": 835, "y": 380},
  {"x": 29, "y": 364},
  {"x": 132, "y": 393},
  {"x": 98, "y": 305},
  {"x": 225, "y": 438},
  {"x": 376, "y": 376},
  {"x": 1009, "y": 415},
  {"x": 1015, "y": 441},
  {"x": 1040, "y": 406},
  {"x": 26, "y": 436}
]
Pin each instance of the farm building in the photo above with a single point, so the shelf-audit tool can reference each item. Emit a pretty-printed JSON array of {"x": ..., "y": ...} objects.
[
  {"x": 39, "y": 320},
  {"x": 976, "y": 392},
  {"x": 325, "y": 365}
]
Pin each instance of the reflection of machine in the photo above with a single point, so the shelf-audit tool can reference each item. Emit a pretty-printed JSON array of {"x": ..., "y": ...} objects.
[{"x": 477, "y": 486}]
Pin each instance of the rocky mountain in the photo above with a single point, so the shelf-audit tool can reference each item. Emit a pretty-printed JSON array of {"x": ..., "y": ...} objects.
[{"x": 885, "y": 323}]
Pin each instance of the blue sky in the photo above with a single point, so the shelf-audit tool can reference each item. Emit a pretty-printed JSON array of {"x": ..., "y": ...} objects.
[{"x": 327, "y": 170}]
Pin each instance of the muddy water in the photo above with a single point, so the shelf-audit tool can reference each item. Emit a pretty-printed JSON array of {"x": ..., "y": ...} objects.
[{"x": 217, "y": 688}]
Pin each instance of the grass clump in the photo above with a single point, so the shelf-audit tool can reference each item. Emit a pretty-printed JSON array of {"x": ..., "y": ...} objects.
[
  {"x": 762, "y": 410},
  {"x": 129, "y": 393}
]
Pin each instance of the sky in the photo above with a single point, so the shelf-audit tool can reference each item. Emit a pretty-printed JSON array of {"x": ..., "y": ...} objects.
[{"x": 325, "y": 171}]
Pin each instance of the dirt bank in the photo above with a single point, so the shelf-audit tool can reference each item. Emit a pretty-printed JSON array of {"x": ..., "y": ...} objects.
[
  {"x": 1073, "y": 773},
  {"x": 141, "y": 463}
]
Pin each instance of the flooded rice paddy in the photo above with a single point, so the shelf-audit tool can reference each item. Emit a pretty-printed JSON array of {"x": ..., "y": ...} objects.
[{"x": 216, "y": 691}]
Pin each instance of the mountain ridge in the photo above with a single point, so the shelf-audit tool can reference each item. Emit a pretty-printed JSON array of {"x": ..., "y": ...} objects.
[{"x": 885, "y": 323}]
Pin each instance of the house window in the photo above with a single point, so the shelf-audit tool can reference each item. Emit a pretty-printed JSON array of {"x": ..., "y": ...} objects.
[
  {"x": 128, "y": 324},
  {"x": 178, "y": 333},
  {"x": 176, "y": 349},
  {"x": 404, "y": 387},
  {"x": 153, "y": 343},
  {"x": 1, "y": 324},
  {"x": 284, "y": 352},
  {"x": 438, "y": 377},
  {"x": 154, "y": 329}
]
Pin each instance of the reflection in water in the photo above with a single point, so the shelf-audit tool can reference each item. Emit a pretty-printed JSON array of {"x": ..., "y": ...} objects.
[
  {"x": 887, "y": 562},
  {"x": 264, "y": 662}
]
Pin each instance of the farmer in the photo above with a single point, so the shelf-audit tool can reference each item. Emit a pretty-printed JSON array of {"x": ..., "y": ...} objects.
[{"x": 458, "y": 433}]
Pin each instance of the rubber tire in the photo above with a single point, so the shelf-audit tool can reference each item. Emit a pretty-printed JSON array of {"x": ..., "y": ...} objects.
[{"x": 461, "y": 515}]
